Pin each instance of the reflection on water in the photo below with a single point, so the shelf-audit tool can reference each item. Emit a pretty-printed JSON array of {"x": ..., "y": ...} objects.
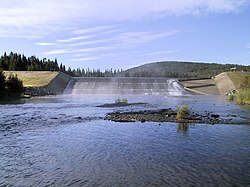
[
  {"x": 183, "y": 127},
  {"x": 62, "y": 141}
]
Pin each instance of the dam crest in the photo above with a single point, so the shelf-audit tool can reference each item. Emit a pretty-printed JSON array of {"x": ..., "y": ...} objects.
[{"x": 124, "y": 86}]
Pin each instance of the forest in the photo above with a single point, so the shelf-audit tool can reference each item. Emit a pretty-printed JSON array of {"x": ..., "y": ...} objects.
[
  {"x": 18, "y": 62},
  {"x": 175, "y": 69}
]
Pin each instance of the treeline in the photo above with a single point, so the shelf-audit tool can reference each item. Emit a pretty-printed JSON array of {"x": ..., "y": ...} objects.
[
  {"x": 10, "y": 87},
  {"x": 18, "y": 62},
  {"x": 94, "y": 72},
  {"x": 181, "y": 69}
]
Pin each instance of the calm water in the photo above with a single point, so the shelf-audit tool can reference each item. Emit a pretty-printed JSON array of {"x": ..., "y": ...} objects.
[{"x": 62, "y": 141}]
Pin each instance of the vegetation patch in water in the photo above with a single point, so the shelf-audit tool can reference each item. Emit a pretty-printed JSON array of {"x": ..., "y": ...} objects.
[
  {"x": 120, "y": 103},
  {"x": 182, "y": 113}
]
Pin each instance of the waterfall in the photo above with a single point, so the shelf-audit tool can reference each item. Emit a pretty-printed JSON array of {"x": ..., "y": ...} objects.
[
  {"x": 70, "y": 86},
  {"x": 175, "y": 88},
  {"x": 124, "y": 86}
]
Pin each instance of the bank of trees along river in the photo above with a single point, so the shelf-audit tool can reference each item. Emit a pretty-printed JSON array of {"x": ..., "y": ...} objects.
[
  {"x": 18, "y": 62},
  {"x": 10, "y": 87}
]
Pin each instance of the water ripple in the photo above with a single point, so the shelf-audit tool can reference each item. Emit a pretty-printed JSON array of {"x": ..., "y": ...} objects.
[{"x": 67, "y": 144}]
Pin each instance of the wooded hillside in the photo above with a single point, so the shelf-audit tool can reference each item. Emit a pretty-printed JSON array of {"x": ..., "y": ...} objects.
[
  {"x": 175, "y": 69},
  {"x": 181, "y": 69}
]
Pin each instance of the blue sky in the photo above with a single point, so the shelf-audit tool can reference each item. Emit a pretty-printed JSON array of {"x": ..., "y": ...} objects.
[{"x": 126, "y": 33}]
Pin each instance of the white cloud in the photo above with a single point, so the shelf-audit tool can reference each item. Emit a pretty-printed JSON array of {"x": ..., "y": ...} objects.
[
  {"x": 85, "y": 59},
  {"x": 92, "y": 49},
  {"x": 45, "y": 44},
  {"x": 109, "y": 55},
  {"x": 133, "y": 38},
  {"x": 87, "y": 42},
  {"x": 93, "y": 29},
  {"x": 27, "y": 18},
  {"x": 118, "y": 41},
  {"x": 56, "y": 51},
  {"x": 158, "y": 53},
  {"x": 225, "y": 5},
  {"x": 30, "y": 13},
  {"x": 74, "y": 39},
  {"x": 24, "y": 13},
  {"x": 127, "y": 38},
  {"x": 88, "y": 57},
  {"x": 68, "y": 51},
  {"x": 20, "y": 36},
  {"x": 12, "y": 32}
]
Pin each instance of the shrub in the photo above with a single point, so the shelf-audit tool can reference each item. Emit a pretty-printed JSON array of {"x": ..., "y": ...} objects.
[
  {"x": 124, "y": 100},
  {"x": 231, "y": 97},
  {"x": 182, "y": 113},
  {"x": 243, "y": 97},
  {"x": 14, "y": 86}
]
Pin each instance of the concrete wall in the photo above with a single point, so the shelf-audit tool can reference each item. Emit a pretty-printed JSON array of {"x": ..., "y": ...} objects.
[
  {"x": 124, "y": 86},
  {"x": 221, "y": 84},
  {"x": 59, "y": 83},
  {"x": 201, "y": 86},
  {"x": 224, "y": 83}
]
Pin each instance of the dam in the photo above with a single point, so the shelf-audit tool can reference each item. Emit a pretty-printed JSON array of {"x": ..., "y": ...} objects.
[{"x": 124, "y": 86}]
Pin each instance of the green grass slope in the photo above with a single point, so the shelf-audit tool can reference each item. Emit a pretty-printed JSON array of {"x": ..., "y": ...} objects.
[
  {"x": 34, "y": 78},
  {"x": 239, "y": 78}
]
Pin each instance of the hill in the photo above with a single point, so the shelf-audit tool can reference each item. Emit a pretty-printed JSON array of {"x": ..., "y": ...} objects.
[
  {"x": 34, "y": 78},
  {"x": 181, "y": 69}
]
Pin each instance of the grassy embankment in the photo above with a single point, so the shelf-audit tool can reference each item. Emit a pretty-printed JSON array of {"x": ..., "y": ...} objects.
[
  {"x": 241, "y": 81},
  {"x": 34, "y": 78}
]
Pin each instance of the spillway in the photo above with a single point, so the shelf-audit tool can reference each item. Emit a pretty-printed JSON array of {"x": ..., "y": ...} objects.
[{"x": 124, "y": 86}]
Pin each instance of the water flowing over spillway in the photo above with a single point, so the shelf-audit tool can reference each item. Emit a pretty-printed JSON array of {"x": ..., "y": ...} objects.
[{"x": 124, "y": 86}]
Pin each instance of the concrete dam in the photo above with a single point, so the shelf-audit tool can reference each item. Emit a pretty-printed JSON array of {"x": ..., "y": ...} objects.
[{"x": 124, "y": 86}]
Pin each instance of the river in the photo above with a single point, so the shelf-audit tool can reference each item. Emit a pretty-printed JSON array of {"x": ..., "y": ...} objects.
[{"x": 64, "y": 141}]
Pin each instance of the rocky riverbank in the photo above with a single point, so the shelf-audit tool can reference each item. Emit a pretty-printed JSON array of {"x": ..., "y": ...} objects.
[
  {"x": 170, "y": 115},
  {"x": 37, "y": 91}
]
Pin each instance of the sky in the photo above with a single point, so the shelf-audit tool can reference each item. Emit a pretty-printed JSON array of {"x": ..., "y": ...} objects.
[{"x": 121, "y": 34}]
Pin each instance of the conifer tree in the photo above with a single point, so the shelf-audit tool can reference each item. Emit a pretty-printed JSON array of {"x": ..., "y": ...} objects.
[
  {"x": 2, "y": 82},
  {"x": 14, "y": 86}
]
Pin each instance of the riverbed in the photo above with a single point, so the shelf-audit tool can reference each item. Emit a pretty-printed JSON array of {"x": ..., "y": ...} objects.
[{"x": 64, "y": 141}]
